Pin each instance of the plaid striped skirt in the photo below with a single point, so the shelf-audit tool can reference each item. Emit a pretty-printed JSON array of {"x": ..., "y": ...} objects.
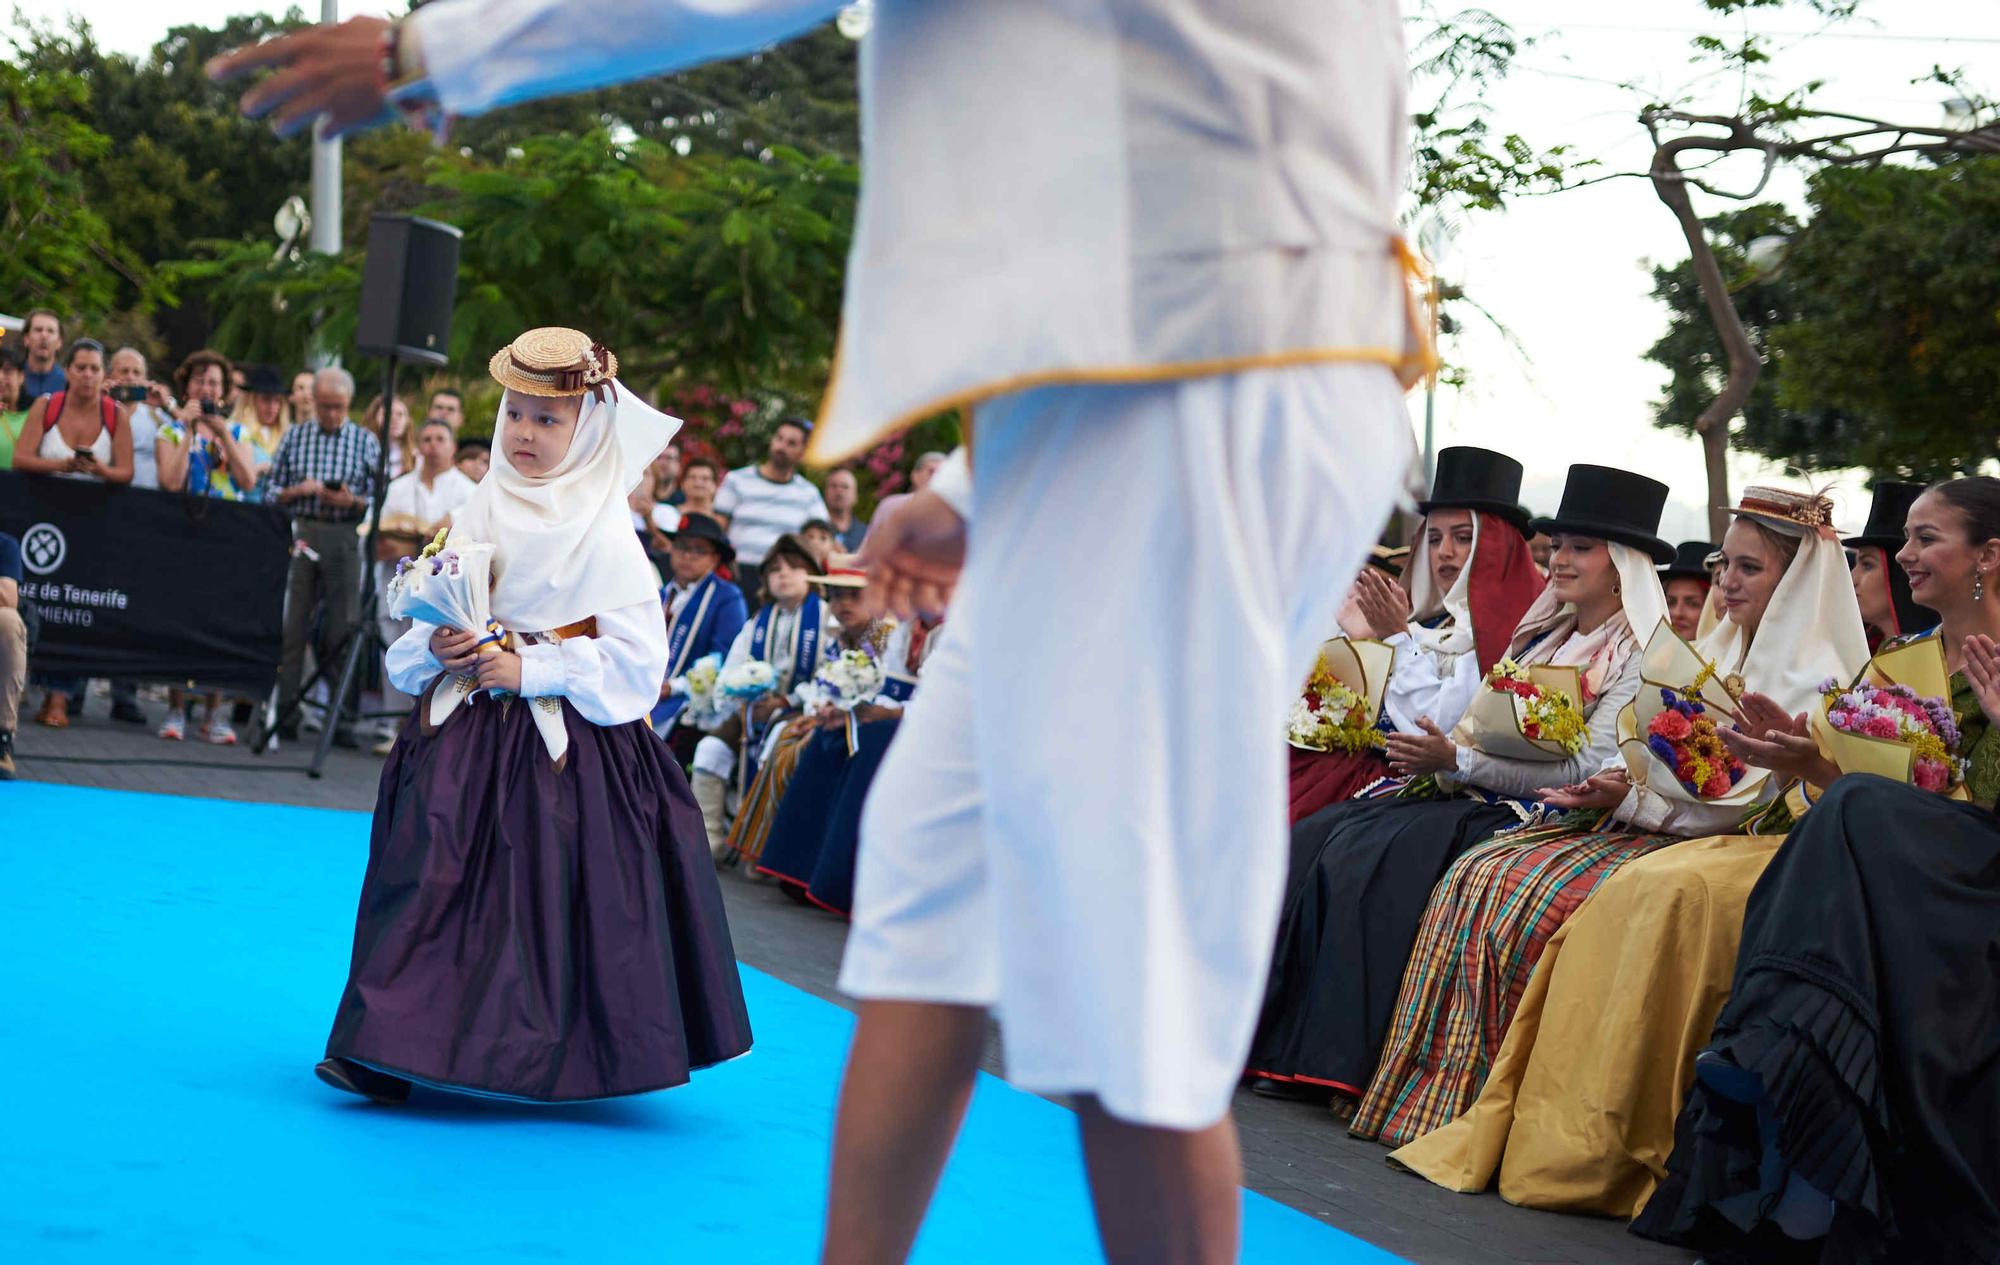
[
  {"x": 1489, "y": 919},
  {"x": 760, "y": 803}
]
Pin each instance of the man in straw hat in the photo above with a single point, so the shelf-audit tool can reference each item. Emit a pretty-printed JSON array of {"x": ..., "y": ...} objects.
[{"x": 1191, "y": 292}]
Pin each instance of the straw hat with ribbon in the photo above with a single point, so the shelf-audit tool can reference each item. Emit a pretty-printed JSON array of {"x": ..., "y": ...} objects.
[
  {"x": 842, "y": 573},
  {"x": 554, "y": 361}
]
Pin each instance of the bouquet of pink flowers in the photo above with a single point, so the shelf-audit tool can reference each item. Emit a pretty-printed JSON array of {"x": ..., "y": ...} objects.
[{"x": 1898, "y": 714}]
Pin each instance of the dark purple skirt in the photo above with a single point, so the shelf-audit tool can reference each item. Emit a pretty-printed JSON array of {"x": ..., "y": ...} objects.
[{"x": 536, "y": 933}]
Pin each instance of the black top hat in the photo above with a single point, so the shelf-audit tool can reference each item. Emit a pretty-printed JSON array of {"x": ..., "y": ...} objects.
[
  {"x": 1477, "y": 479},
  {"x": 1885, "y": 516},
  {"x": 1690, "y": 560},
  {"x": 1612, "y": 504},
  {"x": 702, "y": 527},
  {"x": 264, "y": 380}
]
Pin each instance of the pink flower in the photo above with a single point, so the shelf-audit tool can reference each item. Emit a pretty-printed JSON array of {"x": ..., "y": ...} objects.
[
  {"x": 1670, "y": 725},
  {"x": 1931, "y": 776},
  {"x": 1879, "y": 727}
]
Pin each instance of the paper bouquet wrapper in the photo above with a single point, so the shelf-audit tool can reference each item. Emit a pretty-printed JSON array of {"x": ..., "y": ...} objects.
[
  {"x": 1362, "y": 665},
  {"x": 1669, "y": 662},
  {"x": 462, "y": 597},
  {"x": 1919, "y": 665},
  {"x": 1493, "y": 723}
]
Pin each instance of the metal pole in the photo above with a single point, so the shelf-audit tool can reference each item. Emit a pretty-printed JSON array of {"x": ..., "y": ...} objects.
[
  {"x": 1430, "y": 392},
  {"x": 325, "y": 188}
]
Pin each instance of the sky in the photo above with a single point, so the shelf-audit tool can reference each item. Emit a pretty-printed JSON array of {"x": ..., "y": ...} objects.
[{"x": 1569, "y": 275}]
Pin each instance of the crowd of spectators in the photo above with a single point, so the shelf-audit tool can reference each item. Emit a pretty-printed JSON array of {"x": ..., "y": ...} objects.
[{"x": 212, "y": 428}]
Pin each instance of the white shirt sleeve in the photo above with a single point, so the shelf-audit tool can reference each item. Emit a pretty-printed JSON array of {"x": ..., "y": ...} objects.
[
  {"x": 409, "y": 663},
  {"x": 1421, "y": 685},
  {"x": 953, "y": 482},
  {"x": 611, "y": 678},
  {"x": 1522, "y": 778},
  {"x": 483, "y": 54}
]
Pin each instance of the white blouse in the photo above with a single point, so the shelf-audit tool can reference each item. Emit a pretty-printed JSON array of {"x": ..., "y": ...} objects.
[
  {"x": 612, "y": 678},
  {"x": 1425, "y": 683}
]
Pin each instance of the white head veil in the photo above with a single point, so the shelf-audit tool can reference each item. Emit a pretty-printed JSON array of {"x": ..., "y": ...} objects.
[
  {"x": 1811, "y": 628},
  {"x": 564, "y": 548},
  {"x": 1455, "y": 637}
]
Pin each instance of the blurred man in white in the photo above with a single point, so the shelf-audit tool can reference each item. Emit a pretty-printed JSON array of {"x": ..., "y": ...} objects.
[
  {"x": 416, "y": 508},
  {"x": 1151, "y": 245}
]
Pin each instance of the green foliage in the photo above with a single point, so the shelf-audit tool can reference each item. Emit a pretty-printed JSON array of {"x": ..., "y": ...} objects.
[
  {"x": 56, "y": 247},
  {"x": 1457, "y": 157},
  {"x": 1898, "y": 317},
  {"x": 1881, "y": 330}
]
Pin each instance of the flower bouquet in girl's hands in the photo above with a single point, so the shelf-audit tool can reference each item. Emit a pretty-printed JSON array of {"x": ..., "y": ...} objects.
[
  {"x": 1896, "y": 721},
  {"x": 699, "y": 687},
  {"x": 1337, "y": 709},
  {"x": 745, "y": 683},
  {"x": 450, "y": 586},
  {"x": 1528, "y": 713},
  {"x": 1670, "y": 735},
  {"x": 845, "y": 681}
]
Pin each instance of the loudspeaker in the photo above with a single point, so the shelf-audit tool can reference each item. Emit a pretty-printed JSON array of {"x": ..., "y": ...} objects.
[{"x": 407, "y": 289}]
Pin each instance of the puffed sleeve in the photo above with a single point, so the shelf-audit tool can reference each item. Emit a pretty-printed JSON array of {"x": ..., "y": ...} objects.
[
  {"x": 1427, "y": 684},
  {"x": 611, "y": 678},
  {"x": 410, "y": 664},
  {"x": 484, "y": 54}
]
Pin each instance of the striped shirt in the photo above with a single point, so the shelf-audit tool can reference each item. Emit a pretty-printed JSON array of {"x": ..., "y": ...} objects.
[
  {"x": 308, "y": 452},
  {"x": 760, "y": 510}
]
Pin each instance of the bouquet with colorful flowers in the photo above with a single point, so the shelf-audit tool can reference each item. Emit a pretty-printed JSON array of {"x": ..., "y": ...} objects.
[
  {"x": 1531, "y": 712},
  {"x": 1336, "y": 710},
  {"x": 1684, "y": 737},
  {"x": 845, "y": 680},
  {"x": 1670, "y": 735},
  {"x": 450, "y": 586},
  {"x": 1896, "y": 714}
]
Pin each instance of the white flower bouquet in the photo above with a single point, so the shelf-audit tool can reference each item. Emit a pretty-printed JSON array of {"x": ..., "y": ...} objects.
[
  {"x": 450, "y": 586},
  {"x": 746, "y": 682},
  {"x": 845, "y": 681},
  {"x": 699, "y": 686}
]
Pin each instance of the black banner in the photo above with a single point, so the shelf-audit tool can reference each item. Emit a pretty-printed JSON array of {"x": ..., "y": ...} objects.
[{"x": 149, "y": 585}]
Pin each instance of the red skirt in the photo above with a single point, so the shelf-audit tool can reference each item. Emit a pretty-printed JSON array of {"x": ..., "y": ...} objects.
[{"x": 1320, "y": 778}]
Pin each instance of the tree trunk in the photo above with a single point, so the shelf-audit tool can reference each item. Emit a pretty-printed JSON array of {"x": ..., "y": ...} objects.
[{"x": 1744, "y": 362}]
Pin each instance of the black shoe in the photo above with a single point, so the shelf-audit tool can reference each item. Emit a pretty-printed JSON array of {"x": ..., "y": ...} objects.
[
  {"x": 352, "y": 1077},
  {"x": 240, "y": 714},
  {"x": 1291, "y": 1091},
  {"x": 125, "y": 711},
  {"x": 344, "y": 739}
]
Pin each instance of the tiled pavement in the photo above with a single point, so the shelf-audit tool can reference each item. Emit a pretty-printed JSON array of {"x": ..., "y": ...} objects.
[{"x": 1292, "y": 1152}]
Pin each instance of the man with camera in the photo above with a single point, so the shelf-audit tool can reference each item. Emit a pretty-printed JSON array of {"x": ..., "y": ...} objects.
[
  {"x": 152, "y": 409},
  {"x": 324, "y": 475}
]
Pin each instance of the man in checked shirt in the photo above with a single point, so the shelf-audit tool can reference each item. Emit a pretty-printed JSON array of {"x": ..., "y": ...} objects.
[{"x": 324, "y": 475}]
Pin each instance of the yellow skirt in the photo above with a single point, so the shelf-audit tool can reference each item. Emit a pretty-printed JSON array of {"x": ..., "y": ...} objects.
[{"x": 1578, "y": 1112}]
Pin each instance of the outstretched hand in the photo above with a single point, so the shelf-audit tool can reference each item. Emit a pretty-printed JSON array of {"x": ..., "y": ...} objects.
[
  {"x": 914, "y": 558},
  {"x": 1604, "y": 790},
  {"x": 335, "y": 71},
  {"x": 1779, "y": 742}
]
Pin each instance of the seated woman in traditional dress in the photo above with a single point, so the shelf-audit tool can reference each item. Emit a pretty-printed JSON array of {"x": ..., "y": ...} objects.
[
  {"x": 1847, "y": 1106},
  {"x": 1578, "y": 1111},
  {"x": 789, "y": 632},
  {"x": 817, "y": 830},
  {"x": 1686, "y": 582},
  {"x": 1879, "y": 584},
  {"x": 1470, "y": 579},
  {"x": 1792, "y": 623},
  {"x": 538, "y": 920},
  {"x": 847, "y": 609},
  {"x": 1362, "y": 870}
]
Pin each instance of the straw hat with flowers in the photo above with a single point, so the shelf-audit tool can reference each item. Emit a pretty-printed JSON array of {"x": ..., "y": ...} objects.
[{"x": 555, "y": 361}]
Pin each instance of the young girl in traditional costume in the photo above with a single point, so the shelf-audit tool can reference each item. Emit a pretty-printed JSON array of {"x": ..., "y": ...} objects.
[{"x": 539, "y": 919}]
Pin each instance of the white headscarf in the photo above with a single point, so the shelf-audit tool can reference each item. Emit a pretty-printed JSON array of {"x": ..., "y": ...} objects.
[
  {"x": 564, "y": 548},
  {"x": 1455, "y": 636},
  {"x": 1603, "y": 653},
  {"x": 1811, "y": 628}
]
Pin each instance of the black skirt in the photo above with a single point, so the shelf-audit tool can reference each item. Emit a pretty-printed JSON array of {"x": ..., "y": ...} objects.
[
  {"x": 1361, "y": 875},
  {"x": 534, "y": 932},
  {"x": 816, "y": 835},
  {"x": 1860, "y": 1048}
]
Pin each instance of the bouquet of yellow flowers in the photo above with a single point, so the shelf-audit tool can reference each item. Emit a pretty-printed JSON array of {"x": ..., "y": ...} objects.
[
  {"x": 1528, "y": 713},
  {"x": 1337, "y": 709}
]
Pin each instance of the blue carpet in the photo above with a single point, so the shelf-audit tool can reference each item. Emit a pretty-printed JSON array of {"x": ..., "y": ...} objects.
[{"x": 170, "y": 969}]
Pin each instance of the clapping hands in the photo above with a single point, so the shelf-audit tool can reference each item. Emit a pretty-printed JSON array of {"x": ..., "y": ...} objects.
[{"x": 1768, "y": 737}]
